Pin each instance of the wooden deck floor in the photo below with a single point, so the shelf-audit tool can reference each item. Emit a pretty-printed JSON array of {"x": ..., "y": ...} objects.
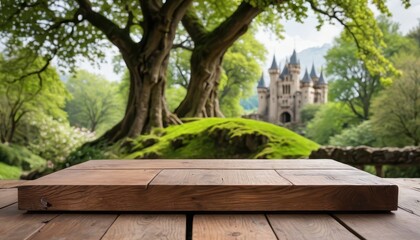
[{"x": 401, "y": 224}]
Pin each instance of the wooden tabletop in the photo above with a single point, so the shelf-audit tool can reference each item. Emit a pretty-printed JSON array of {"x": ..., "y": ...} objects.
[
  {"x": 401, "y": 224},
  {"x": 209, "y": 185}
]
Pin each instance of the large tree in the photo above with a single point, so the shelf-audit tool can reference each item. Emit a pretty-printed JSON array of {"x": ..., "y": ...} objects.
[
  {"x": 352, "y": 82},
  {"x": 96, "y": 103},
  {"x": 20, "y": 96},
  {"x": 396, "y": 112},
  {"x": 144, "y": 31}
]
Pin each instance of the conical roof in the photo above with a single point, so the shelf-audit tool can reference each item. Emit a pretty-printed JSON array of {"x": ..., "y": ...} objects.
[
  {"x": 306, "y": 78},
  {"x": 293, "y": 58},
  {"x": 274, "y": 63},
  {"x": 284, "y": 72},
  {"x": 261, "y": 82},
  {"x": 321, "y": 80},
  {"x": 313, "y": 73}
]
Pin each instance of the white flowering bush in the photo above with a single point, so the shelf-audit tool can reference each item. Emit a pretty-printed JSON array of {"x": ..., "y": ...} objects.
[{"x": 56, "y": 139}]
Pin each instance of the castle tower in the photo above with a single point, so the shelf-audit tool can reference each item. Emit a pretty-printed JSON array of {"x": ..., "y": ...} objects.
[
  {"x": 262, "y": 96},
  {"x": 306, "y": 88},
  {"x": 272, "y": 104},
  {"x": 294, "y": 70}
]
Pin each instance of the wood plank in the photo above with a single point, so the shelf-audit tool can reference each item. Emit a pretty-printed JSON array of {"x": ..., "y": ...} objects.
[
  {"x": 10, "y": 183},
  {"x": 148, "y": 226},
  {"x": 308, "y": 226},
  {"x": 332, "y": 177},
  {"x": 209, "y": 190},
  {"x": 19, "y": 225},
  {"x": 191, "y": 177},
  {"x": 212, "y": 164},
  {"x": 76, "y": 226},
  {"x": 397, "y": 225},
  {"x": 96, "y": 178},
  {"x": 234, "y": 226},
  {"x": 7, "y": 197},
  {"x": 409, "y": 200},
  {"x": 413, "y": 183}
]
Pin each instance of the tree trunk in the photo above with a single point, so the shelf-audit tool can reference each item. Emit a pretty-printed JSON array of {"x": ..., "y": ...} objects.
[
  {"x": 147, "y": 63},
  {"x": 206, "y": 60}
]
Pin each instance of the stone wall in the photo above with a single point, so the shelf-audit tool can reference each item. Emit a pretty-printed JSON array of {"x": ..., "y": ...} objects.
[{"x": 363, "y": 155}]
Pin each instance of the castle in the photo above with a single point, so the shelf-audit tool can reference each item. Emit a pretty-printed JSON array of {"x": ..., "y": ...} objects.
[{"x": 282, "y": 101}]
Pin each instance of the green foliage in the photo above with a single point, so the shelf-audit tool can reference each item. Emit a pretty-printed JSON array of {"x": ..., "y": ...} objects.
[
  {"x": 352, "y": 81},
  {"x": 174, "y": 96},
  {"x": 329, "y": 121},
  {"x": 9, "y": 172},
  {"x": 86, "y": 153},
  {"x": 36, "y": 94},
  {"x": 96, "y": 103},
  {"x": 21, "y": 157},
  {"x": 222, "y": 138},
  {"x": 307, "y": 113},
  {"x": 396, "y": 111},
  {"x": 241, "y": 67},
  {"x": 361, "y": 134},
  {"x": 415, "y": 34},
  {"x": 55, "y": 140}
]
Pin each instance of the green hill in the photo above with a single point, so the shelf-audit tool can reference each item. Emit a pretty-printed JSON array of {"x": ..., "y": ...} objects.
[{"x": 221, "y": 138}]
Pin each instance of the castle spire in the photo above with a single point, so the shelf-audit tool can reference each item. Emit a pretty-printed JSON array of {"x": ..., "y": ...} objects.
[
  {"x": 313, "y": 73},
  {"x": 306, "y": 78},
  {"x": 293, "y": 58},
  {"x": 261, "y": 82},
  {"x": 274, "y": 63},
  {"x": 321, "y": 80}
]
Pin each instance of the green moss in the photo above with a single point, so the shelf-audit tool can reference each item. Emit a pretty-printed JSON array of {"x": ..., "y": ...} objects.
[
  {"x": 222, "y": 138},
  {"x": 9, "y": 172},
  {"x": 21, "y": 157}
]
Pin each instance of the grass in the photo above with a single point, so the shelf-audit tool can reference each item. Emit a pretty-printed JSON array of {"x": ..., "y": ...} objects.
[
  {"x": 9, "y": 172},
  {"x": 221, "y": 138},
  {"x": 15, "y": 155}
]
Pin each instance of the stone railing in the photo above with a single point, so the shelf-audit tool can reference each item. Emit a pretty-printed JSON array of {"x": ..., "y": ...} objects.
[{"x": 362, "y": 155}]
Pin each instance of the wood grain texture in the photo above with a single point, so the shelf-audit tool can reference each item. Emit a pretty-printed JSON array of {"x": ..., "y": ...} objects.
[
  {"x": 206, "y": 177},
  {"x": 147, "y": 226},
  {"x": 15, "y": 224},
  {"x": 96, "y": 178},
  {"x": 76, "y": 226},
  {"x": 397, "y": 225},
  {"x": 212, "y": 164},
  {"x": 11, "y": 183},
  {"x": 308, "y": 226},
  {"x": 413, "y": 183},
  {"x": 209, "y": 190},
  {"x": 333, "y": 177},
  {"x": 239, "y": 226},
  {"x": 7, "y": 197},
  {"x": 409, "y": 200}
]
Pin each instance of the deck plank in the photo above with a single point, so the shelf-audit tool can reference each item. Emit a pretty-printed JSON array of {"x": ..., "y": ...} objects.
[
  {"x": 233, "y": 226},
  {"x": 413, "y": 183},
  {"x": 397, "y": 225},
  {"x": 409, "y": 200},
  {"x": 7, "y": 197},
  {"x": 211, "y": 164},
  {"x": 148, "y": 226},
  {"x": 76, "y": 226},
  {"x": 308, "y": 226},
  {"x": 16, "y": 224}
]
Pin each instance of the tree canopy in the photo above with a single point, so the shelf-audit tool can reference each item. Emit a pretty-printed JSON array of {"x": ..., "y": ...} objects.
[{"x": 144, "y": 32}]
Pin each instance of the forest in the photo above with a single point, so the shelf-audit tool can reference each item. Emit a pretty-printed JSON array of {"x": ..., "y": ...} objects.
[{"x": 190, "y": 71}]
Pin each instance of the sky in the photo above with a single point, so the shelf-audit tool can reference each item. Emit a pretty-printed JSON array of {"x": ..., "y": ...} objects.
[{"x": 296, "y": 36}]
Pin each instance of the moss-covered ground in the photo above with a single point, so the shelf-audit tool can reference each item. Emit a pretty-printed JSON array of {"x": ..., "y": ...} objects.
[{"x": 221, "y": 138}]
